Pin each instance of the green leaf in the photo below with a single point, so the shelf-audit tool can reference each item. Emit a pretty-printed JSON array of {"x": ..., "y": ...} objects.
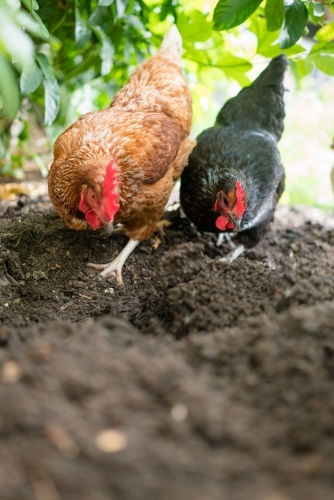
[
  {"x": 274, "y": 13},
  {"x": 318, "y": 9},
  {"x": 301, "y": 67},
  {"x": 31, "y": 5},
  {"x": 322, "y": 48},
  {"x": 120, "y": 8},
  {"x": 316, "y": 12},
  {"x": 231, "y": 13},
  {"x": 240, "y": 77},
  {"x": 14, "y": 40},
  {"x": 51, "y": 87},
  {"x": 326, "y": 33},
  {"x": 194, "y": 28},
  {"x": 136, "y": 23},
  {"x": 105, "y": 3},
  {"x": 296, "y": 15},
  {"x": 8, "y": 89},
  {"x": 107, "y": 50},
  {"x": 40, "y": 163},
  {"x": 268, "y": 45},
  {"x": 44, "y": 30},
  {"x": 81, "y": 31},
  {"x": 227, "y": 60},
  {"x": 325, "y": 63},
  {"x": 31, "y": 78},
  {"x": 199, "y": 56},
  {"x": 98, "y": 16}
]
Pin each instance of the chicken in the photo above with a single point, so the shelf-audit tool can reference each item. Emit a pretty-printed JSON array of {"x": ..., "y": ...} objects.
[
  {"x": 234, "y": 176},
  {"x": 118, "y": 165}
]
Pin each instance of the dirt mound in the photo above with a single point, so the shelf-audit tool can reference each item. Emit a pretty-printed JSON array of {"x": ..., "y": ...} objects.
[{"x": 216, "y": 380}]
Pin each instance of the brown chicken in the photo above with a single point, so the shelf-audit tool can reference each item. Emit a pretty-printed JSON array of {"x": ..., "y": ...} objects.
[{"x": 118, "y": 165}]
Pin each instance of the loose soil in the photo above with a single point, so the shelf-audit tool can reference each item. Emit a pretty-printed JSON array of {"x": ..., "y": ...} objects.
[{"x": 217, "y": 378}]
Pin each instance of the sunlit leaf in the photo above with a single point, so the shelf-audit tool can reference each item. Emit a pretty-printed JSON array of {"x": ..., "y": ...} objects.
[
  {"x": 39, "y": 21},
  {"x": 322, "y": 48},
  {"x": 318, "y": 9},
  {"x": 326, "y": 33},
  {"x": 296, "y": 15},
  {"x": 301, "y": 67},
  {"x": 316, "y": 12},
  {"x": 14, "y": 41},
  {"x": 199, "y": 56},
  {"x": 325, "y": 63},
  {"x": 41, "y": 164},
  {"x": 240, "y": 77},
  {"x": 194, "y": 28},
  {"x": 28, "y": 23},
  {"x": 31, "y": 78},
  {"x": 226, "y": 60},
  {"x": 31, "y": 5},
  {"x": 105, "y": 3},
  {"x": 8, "y": 89},
  {"x": 51, "y": 88},
  {"x": 268, "y": 44},
  {"x": 274, "y": 12},
  {"x": 120, "y": 7},
  {"x": 231, "y": 13}
]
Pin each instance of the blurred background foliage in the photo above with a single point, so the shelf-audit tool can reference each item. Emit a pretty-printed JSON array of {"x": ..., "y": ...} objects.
[{"x": 62, "y": 58}]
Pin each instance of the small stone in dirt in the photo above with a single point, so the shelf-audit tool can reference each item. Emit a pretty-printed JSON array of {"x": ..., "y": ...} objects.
[
  {"x": 295, "y": 248},
  {"x": 111, "y": 441},
  {"x": 11, "y": 372},
  {"x": 62, "y": 440},
  {"x": 179, "y": 412}
]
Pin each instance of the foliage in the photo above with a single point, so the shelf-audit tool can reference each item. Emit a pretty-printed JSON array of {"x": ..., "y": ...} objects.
[{"x": 61, "y": 59}]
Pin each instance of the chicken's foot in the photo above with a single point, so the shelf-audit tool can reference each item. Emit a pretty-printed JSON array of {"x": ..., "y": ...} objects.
[
  {"x": 159, "y": 228},
  {"x": 231, "y": 256},
  {"x": 115, "y": 267},
  {"x": 225, "y": 237}
]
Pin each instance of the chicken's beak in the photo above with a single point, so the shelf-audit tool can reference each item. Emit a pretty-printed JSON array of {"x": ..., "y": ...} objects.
[
  {"x": 108, "y": 227},
  {"x": 235, "y": 223}
]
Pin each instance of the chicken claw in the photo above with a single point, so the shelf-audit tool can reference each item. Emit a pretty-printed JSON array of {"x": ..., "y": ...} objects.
[
  {"x": 115, "y": 267},
  {"x": 159, "y": 228},
  {"x": 222, "y": 237},
  {"x": 231, "y": 256}
]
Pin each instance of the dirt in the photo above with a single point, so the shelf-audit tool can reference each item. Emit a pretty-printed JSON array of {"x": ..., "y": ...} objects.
[{"x": 216, "y": 379}]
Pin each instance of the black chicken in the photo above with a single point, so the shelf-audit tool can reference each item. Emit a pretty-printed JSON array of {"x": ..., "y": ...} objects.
[{"x": 234, "y": 177}]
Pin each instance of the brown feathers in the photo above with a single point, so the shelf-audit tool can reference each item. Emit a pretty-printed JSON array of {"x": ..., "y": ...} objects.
[{"x": 145, "y": 130}]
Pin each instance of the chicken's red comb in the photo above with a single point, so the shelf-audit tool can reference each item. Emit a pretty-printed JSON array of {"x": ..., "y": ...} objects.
[{"x": 240, "y": 206}]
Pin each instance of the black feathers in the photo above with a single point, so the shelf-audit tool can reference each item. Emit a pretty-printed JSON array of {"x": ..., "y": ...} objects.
[{"x": 241, "y": 146}]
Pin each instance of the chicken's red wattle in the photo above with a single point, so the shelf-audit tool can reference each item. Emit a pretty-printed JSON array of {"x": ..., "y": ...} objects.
[
  {"x": 223, "y": 223},
  {"x": 93, "y": 219}
]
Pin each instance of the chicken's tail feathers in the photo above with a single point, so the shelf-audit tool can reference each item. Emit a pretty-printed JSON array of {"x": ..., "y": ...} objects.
[
  {"x": 261, "y": 105},
  {"x": 273, "y": 75},
  {"x": 171, "y": 46}
]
